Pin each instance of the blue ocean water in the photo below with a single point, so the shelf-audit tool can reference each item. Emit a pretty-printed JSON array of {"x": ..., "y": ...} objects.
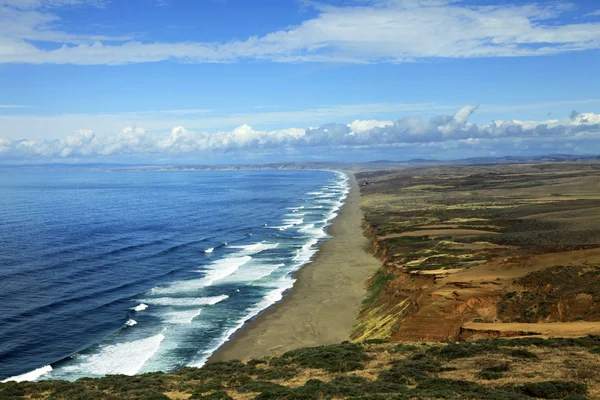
[{"x": 130, "y": 272}]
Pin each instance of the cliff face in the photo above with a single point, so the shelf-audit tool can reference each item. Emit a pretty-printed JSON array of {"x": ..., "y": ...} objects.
[{"x": 463, "y": 246}]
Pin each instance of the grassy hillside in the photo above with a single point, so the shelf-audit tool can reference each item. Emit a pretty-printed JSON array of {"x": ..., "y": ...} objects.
[
  {"x": 488, "y": 369},
  {"x": 483, "y": 251}
]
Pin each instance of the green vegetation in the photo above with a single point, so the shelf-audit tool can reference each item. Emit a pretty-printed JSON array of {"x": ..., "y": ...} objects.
[
  {"x": 553, "y": 389},
  {"x": 373, "y": 370},
  {"x": 494, "y": 371},
  {"x": 376, "y": 285},
  {"x": 400, "y": 348},
  {"x": 545, "y": 290},
  {"x": 343, "y": 357}
]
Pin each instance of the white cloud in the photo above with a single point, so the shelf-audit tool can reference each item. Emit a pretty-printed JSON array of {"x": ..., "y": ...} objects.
[
  {"x": 41, "y": 127},
  {"x": 376, "y": 31},
  {"x": 38, "y": 126},
  {"x": 449, "y": 131},
  {"x": 359, "y": 126}
]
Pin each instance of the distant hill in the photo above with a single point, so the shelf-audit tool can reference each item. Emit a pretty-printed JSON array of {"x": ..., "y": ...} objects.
[{"x": 350, "y": 166}]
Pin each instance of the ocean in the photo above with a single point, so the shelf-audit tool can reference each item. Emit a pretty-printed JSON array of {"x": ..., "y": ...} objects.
[{"x": 130, "y": 272}]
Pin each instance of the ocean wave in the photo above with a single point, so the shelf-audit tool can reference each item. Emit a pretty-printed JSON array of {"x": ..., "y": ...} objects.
[
  {"x": 223, "y": 268},
  {"x": 332, "y": 201},
  {"x": 268, "y": 300},
  {"x": 306, "y": 227},
  {"x": 186, "y": 301},
  {"x": 305, "y": 253},
  {"x": 313, "y": 231},
  {"x": 30, "y": 376},
  {"x": 140, "y": 307},
  {"x": 289, "y": 223},
  {"x": 215, "y": 271},
  {"x": 255, "y": 248},
  {"x": 254, "y": 272},
  {"x": 210, "y": 250},
  {"x": 123, "y": 358},
  {"x": 131, "y": 322},
  {"x": 181, "y": 317}
]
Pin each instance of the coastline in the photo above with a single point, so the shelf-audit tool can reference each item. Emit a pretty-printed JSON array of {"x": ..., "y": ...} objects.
[{"x": 324, "y": 302}]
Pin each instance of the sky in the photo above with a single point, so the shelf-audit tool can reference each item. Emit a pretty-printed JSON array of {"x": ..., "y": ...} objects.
[{"x": 238, "y": 81}]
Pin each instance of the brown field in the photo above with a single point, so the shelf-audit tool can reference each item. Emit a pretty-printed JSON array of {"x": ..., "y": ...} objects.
[{"x": 483, "y": 251}]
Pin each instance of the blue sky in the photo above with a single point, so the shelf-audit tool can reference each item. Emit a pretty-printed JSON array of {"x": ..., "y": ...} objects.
[{"x": 253, "y": 81}]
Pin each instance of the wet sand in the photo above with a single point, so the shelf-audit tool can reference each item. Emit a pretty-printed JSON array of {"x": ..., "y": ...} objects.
[{"x": 322, "y": 306}]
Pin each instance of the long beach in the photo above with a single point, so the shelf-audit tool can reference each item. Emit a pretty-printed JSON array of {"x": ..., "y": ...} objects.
[{"x": 322, "y": 306}]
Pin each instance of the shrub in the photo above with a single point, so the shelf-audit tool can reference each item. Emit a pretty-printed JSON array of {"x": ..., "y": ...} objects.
[
  {"x": 268, "y": 374},
  {"x": 257, "y": 362},
  {"x": 410, "y": 370},
  {"x": 279, "y": 362},
  {"x": 343, "y": 357},
  {"x": 489, "y": 375},
  {"x": 402, "y": 348},
  {"x": 453, "y": 351},
  {"x": 553, "y": 389},
  {"x": 458, "y": 389},
  {"x": 374, "y": 341},
  {"x": 586, "y": 341},
  {"x": 208, "y": 387},
  {"x": 493, "y": 371},
  {"x": 156, "y": 396},
  {"x": 522, "y": 353},
  {"x": 259, "y": 387}
]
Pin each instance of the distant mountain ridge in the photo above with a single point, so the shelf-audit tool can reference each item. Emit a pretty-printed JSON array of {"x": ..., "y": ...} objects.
[{"x": 369, "y": 165}]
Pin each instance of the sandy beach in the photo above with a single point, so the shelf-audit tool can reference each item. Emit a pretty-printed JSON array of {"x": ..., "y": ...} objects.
[{"x": 322, "y": 306}]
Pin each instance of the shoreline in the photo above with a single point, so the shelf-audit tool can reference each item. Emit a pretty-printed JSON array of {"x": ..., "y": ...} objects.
[{"x": 322, "y": 306}]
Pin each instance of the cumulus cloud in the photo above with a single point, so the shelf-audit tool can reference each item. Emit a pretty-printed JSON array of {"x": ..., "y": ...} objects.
[
  {"x": 362, "y": 32},
  {"x": 445, "y": 130}
]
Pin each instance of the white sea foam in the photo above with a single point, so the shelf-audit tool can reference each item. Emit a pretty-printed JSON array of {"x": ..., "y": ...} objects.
[
  {"x": 181, "y": 317},
  {"x": 254, "y": 272},
  {"x": 269, "y": 299},
  {"x": 186, "y": 301},
  {"x": 123, "y": 358},
  {"x": 294, "y": 221},
  {"x": 255, "y": 248},
  {"x": 331, "y": 215},
  {"x": 314, "y": 231},
  {"x": 289, "y": 223},
  {"x": 131, "y": 322},
  {"x": 330, "y": 200},
  {"x": 210, "y": 250},
  {"x": 306, "y": 228},
  {"x": 30, "y": 376},
  {"x": 215, "y": 271},
  {"x": 327, "y": 195},
  {"x": 140, "y": 307},
  {"x": 304, "y": 254},
  {"x": 223, "y": 268}
]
